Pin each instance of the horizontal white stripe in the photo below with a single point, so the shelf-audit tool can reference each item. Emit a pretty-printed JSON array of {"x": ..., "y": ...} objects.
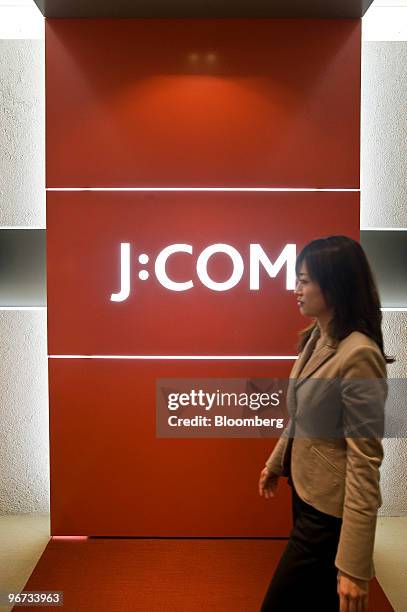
[
  {"x": 189, "y": 357},
  {"x": 23, "y": 308},
  {"x": 248, "y": 189},
  {"x": 394, "y": 309},
  {"x": 383, "y": 229},
  {"x": 389, "y": 309},
  {"x": 362, "y": 229}
]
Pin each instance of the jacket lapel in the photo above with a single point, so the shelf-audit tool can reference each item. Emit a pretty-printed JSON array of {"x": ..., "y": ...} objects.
[
  {"x": 308, "y": 363},
  {"x": 305, "y": 354}
]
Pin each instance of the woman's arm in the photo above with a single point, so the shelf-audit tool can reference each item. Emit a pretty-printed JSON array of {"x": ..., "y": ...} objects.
[
  {"x": 274, "y": 463},
  {"x": 364, "y": 392}
]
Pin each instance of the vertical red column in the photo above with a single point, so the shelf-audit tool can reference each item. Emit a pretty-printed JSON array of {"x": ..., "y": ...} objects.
[{"x": 193, "y": 133}]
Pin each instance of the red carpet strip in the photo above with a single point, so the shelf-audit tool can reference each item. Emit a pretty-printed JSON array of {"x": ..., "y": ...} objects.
[{"x": 149, "y": 575}]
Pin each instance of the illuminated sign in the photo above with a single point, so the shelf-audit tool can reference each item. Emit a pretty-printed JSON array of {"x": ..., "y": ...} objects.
[{"x": 257, "y": 257}]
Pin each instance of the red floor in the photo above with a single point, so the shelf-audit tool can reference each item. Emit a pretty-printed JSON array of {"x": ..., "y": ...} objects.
[{"x": 178, "y": 575}]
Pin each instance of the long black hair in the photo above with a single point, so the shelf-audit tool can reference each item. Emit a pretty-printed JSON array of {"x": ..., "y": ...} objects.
[{"x": 339, "y": 266}]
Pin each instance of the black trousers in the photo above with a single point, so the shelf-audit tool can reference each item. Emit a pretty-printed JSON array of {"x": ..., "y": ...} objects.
[{"x": 306, "y": 576}]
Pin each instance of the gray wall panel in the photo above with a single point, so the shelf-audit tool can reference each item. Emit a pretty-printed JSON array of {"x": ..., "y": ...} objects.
[{"x": 22, "y": 267}]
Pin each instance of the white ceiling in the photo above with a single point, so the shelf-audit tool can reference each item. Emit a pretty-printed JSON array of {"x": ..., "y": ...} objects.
[{"x": 385, "y": 20}]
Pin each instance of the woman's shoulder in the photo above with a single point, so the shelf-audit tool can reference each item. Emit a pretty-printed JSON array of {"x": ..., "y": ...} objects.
[
  {"x": 358, "y": 347},
  {"x": 357, "y": 339}
]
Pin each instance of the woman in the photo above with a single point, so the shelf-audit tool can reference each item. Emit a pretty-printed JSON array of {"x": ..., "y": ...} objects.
[{"x": 331, "y": 449}]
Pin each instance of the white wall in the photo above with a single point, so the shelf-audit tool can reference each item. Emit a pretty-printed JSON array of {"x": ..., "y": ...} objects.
[
  {"x": 22, "y": 133},
  {"x": 24, "y": 441},
  {"x": 24, "y": 472},
  {"x": 384, "y": 134},
  {"x": 384, "y": 201},
  {"x": 23, "y": 370},
  {"x": 393, "y": 470}
]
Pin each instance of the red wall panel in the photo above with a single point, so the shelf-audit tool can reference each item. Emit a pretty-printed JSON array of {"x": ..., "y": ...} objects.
[
  {"x": 181, "y": 103},
  {"x": 83, "y": 265},
  {"x": 203, "y": 102},
  {"x": 110, "y": 475}
]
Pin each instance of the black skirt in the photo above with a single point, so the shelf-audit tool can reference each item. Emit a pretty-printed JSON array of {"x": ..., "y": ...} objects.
[{"x": 306, "y": 576}]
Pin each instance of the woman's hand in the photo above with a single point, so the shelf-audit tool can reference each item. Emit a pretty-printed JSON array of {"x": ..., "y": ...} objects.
[
  {"x": 268, "y": 483},
  {"x": 353, "y": 593}
]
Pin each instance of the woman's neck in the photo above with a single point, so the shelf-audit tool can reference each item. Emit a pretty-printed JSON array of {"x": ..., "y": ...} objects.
[{"x": 323, "y": 325}]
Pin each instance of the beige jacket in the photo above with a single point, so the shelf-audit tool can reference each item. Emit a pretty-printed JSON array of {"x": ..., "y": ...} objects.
[{"x": 338, "y": 475}]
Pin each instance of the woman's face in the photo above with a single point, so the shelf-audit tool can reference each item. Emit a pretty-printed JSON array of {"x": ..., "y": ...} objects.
[{"x": 310, "y": 299}]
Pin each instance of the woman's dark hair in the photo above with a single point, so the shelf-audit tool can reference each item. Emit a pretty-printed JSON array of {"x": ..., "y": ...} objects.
[{"x": 340, "y": 267}]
